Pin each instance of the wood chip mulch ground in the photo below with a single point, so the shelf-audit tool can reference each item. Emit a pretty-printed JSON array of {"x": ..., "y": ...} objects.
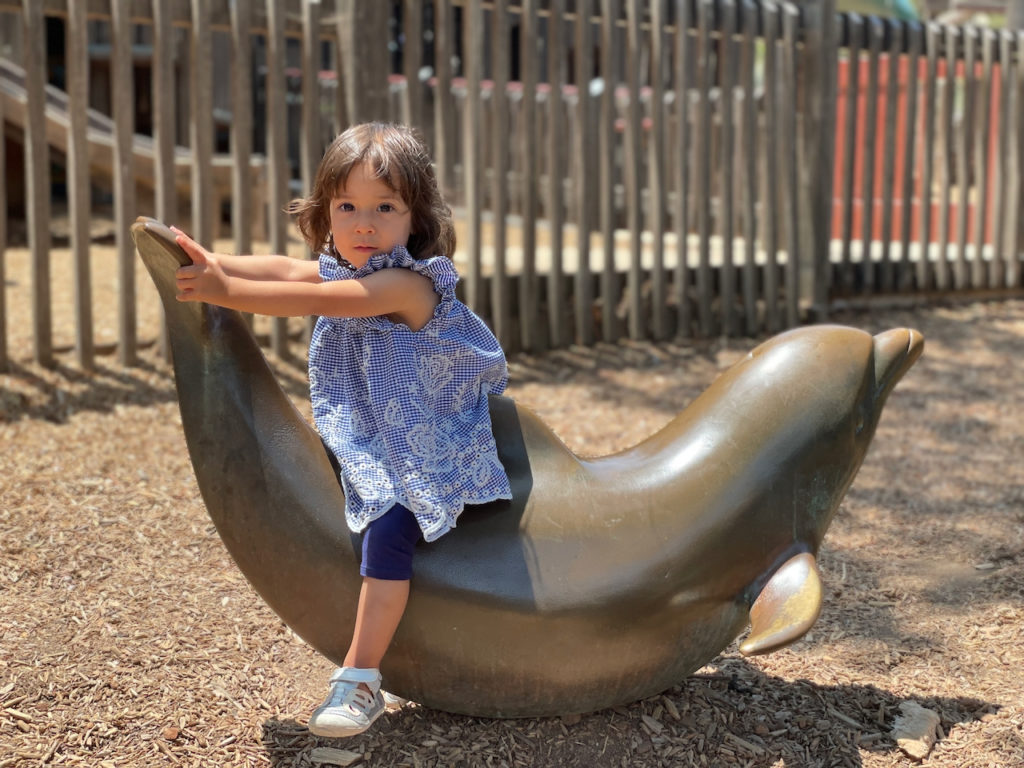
[{"x": 129, "y": 638}]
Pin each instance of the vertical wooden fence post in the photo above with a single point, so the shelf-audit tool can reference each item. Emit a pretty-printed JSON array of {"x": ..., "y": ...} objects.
[
  {"x": 500, "y": 309},
  {"x": 726, "y": 229},
  {"x": 242, "y": 213},
  {"x": 875, "y": 32},
  {"x": 1004, "y": 171},
  {"x": 278, "y": 175},
  {"x": 412, "y": 60},
  {"x": 607, "y": 176},
  {"x": 633, "y": 172},
  {"x": 310, "y": 147},
  {"x": 749, "y": 143},
  {"x": 364, "y": 24},
  {"x": 473, "y": 30},
  {"x": 163, "y": 89},
  {"x": 37, "y": 179},
  {"x": 529, "y": 337},
  {"x": 309, "y": 136},
  {"x": 77, "y": 36},
  {"x": 201, "y": 123},
  {"x": 444, "y": 104},
  {"x": 680, "y": 212},
  {"x": 854, "y": 36},
  {"x": 656, "y": 195},
  {"x": 942, "y": 272},
  {"x": 705, "y": 21},
  {"x": 123, "y": 87},
  {"x": 341, "y": 64},
  {"x": 584, "y": 184},
  {"x": 965, "y": 135},
  {"x": 790, "y": 151},
  {"x": 771, "y": 185},
  {"x": 164, "y": 110},
  {"x": 818, "y": 74},
  {"x": 914, "y": 42},
  {"x": 925, "y": 273},
  {"x": 557, "y": 140},
  {"x": 894, "y": 37},
  {"x": 982, "y": 149}
]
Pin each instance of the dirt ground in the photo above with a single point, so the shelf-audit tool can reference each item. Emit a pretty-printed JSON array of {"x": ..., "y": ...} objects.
[{"x": 129, "y": 638}]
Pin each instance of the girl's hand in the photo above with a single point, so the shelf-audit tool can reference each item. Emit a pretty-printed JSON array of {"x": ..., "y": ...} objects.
[{"x": 204, "y": 279}]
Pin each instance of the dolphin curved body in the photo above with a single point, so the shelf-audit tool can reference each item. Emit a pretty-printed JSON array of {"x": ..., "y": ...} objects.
[{"x": 602, "y": 581}]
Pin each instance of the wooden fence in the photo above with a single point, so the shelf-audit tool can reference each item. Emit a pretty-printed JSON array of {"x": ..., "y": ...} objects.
[{"x": 676, "y": 168}]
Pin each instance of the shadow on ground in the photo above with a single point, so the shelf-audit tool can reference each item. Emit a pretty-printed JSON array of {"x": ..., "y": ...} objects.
[
  {"x": 737, "y": 715},
  {"x": 31, "y": 391}
]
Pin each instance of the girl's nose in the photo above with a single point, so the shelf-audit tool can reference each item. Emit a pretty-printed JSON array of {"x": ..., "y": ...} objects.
[{"x": 364, "y": 224}]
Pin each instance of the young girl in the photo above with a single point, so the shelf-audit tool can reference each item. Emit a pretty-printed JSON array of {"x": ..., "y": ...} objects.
[{"x": 399, "y": 372}]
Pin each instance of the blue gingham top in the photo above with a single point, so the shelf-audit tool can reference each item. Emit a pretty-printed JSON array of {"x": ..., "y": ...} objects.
[{"x": 405, "y": 412}]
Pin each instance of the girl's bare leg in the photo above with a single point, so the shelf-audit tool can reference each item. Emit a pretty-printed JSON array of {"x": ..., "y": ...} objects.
[{"x": 381, "y": 605}]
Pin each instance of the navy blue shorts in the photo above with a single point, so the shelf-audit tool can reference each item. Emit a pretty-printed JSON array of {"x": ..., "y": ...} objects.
[{"x": 388, "y": 545}]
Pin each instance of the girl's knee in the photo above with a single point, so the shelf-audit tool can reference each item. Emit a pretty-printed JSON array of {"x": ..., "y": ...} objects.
[{"x": 388, "y": 545}]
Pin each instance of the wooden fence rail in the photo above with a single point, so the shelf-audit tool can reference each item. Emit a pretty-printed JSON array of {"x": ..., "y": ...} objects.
[{"x": 676, "y": 168}]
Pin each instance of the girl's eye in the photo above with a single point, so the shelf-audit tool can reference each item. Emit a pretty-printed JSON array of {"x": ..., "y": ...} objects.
[
  {"x": 385, "y": 207},
  {"x": 346, "y": 207}
]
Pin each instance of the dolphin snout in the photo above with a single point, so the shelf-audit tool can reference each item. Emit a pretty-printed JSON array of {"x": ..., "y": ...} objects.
[{"x": 895, "y": 352}]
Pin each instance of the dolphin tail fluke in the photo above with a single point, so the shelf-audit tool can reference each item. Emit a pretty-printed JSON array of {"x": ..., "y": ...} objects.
[{"x": 787, "y": 607}]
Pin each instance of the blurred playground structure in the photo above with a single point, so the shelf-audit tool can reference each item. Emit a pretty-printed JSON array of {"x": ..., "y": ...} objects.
[{"x": 737, "y": 167}]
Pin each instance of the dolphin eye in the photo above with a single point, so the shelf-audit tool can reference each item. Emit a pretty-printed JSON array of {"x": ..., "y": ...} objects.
[{"x": 860, "y": 423}]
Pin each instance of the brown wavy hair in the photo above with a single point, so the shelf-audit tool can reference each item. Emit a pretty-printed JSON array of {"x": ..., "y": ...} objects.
[{"x": 398, "y": 157}]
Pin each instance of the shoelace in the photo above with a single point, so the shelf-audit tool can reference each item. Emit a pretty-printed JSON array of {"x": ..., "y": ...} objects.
[{"x": 340, "y": 691}]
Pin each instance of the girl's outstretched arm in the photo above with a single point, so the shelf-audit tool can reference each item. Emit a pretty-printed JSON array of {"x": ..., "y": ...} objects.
[
  {"x": 401, "y": 293},
  {"x": 252, "y": 267}
]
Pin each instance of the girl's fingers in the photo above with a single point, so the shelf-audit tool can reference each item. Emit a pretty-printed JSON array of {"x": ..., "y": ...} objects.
[
  {"x": 187, "y": 272},
  {"x": 195, "y": 251},
  {"x": 186, "y": 292}
]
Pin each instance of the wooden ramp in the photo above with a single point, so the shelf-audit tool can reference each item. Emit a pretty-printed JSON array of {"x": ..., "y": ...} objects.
[{"x": 100, "y": 134}]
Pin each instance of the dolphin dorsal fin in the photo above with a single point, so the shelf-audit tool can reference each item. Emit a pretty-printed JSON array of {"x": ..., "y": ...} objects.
[{"x": 787, "y": 607}]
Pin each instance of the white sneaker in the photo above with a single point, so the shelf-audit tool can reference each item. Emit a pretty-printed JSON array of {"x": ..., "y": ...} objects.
[{"x": 348, "y": 709}]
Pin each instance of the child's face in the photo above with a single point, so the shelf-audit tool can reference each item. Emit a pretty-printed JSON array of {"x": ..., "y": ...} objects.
[{"x": 368, "y": 217}]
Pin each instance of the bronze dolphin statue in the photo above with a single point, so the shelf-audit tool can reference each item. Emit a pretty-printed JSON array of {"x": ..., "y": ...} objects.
[{"x": 604, "y": 580}]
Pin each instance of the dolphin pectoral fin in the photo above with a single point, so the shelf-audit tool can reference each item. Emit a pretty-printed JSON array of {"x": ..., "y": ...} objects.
[{"x": 787, "y": 607}]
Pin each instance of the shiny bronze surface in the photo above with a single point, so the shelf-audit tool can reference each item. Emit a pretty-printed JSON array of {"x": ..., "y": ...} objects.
[{"x": 603, "y": 581}]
